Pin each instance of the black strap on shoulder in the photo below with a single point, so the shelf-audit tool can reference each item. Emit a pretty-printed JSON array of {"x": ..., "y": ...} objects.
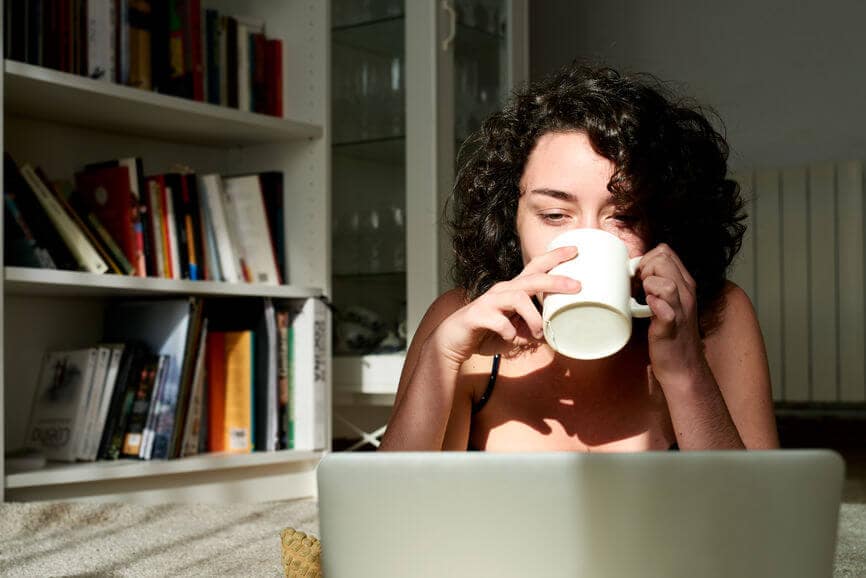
[{"x": 494, "y": 371}]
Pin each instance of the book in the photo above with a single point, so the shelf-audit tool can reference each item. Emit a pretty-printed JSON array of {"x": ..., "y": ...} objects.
[
  {"x": 173, "y": 436},
  {"x": 272, "y": 194},
  {"x": 212, "y": 56},
  {"x": 45, "y": 234},
  {"x": 121, "y": 30},
  {"x": 149, "y": 433},
  {"x": 122, "y": 395},
  {"x": 58, "y": 411},
  {"x": 94, "y": 394},
  {"x": 163, "y": 326},
  {"x": 135, "y": 166},
  {"x": 274, "y": 76},
  {"x": 230, "y": 383},
  {"x": 106, "y": 192},
  {"x": 139, "y": 43},
  {"x": 283, "y": 376},
  {"x": 311, "y": 344},
  {"x": 209, "y": 250},
  {"x": 93, "y": 231},
  {"x": 211, "y": 189},
  {"x": 133, "y": 439},
  {"x": 114, "y": 363},
  {"x": 100, "y": 39},
  {"x": 193, "y": 421},
  {"x": 244, "y": 201},
  {"x": 20, "y": 246},
  {"x": 182, "y": 225},
  {"x": 170, "y": 219},
  {"x": 85, "y": 253},
  {"x": 154, "y": 186}
]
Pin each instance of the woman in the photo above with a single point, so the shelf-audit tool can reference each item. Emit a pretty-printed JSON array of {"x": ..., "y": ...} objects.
[{"x": 588, "y": 148}]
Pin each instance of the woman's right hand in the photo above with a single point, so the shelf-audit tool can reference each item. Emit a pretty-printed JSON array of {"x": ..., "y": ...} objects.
[{"x": 504, "y": 318}]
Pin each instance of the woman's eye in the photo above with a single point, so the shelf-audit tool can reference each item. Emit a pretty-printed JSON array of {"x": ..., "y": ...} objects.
[
  {"x": 553, "y": 217},
  {"x": 625, "y": 219}
]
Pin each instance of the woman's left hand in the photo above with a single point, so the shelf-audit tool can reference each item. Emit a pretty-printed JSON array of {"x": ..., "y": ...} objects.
[{"x": 675, "y": 346}]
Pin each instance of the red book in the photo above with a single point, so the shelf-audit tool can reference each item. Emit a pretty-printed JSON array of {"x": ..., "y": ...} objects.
[
  {"x": 216, "y": 390},
  {"x": 274, "y": 77},
  {"x": 106, "y": 192}
]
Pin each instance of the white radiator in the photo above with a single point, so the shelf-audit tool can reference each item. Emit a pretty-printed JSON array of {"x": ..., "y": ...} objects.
[{"x": 802, "y": 264}]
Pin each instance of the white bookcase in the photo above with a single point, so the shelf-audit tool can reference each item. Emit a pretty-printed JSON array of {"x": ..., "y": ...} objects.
[{"x": 61, "y": 121}]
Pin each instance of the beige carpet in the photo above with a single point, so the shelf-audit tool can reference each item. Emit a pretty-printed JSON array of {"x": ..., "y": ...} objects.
[
  {"x": 127, "y": 540},
  {"x": 233, "y": 540}
]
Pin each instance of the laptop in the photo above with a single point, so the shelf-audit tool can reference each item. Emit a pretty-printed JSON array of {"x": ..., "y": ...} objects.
[{"x": 655, "y": 514}]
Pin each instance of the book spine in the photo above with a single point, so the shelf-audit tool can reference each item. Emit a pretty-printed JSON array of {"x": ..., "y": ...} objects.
[
  {"x": 139, "y": 44},
  {"x": 147, "y": 435},
  {"x": 196, "y": 52},
  {"x": 216, "y": 386},
  {"x": 155, "y": 212},
  {"x": 100, "y": 45},
  {"x": 105, "y": 401},
  {"x": 122, "y": 59},
  {"x": 86, "y": 255},
  {"x": 93, "y": 403},
  {"x": 240, "y": 375},
  {"x": 134, "y": 436},
  {"x": 211, "y": 187},
  {"x": 232, "y": 60},
  {"x": 283, "y": 376},
  {"x": 71, "y": 450},
  {"x": 192, "y": 423},
  {"x": 222, "y": 33},
  {"x": 212, "y": 50},
  {"x": 310, "y": 373},
  {"x": 110, "y": 244},
  {"x": 243, "y": 50},
  {"x": 274, "y": 77},
  {"x": 211, "y": 259},
  {"x": 171, "y": 232}
]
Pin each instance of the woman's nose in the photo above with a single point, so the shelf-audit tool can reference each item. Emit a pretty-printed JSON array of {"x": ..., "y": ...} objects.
[{"x": 589, "y": 222}]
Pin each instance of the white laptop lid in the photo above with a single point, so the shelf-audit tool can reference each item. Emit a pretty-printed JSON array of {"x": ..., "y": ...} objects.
[{"x": 654, "y": 514}]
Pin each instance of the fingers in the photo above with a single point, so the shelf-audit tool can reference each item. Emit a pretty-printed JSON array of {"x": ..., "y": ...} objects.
[
  {"x": 664, "y": 252},
  {"x": 539, "y": 283},
  {"x": 547, "y": 261}
]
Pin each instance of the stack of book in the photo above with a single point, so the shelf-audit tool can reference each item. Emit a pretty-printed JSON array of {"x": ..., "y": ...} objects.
[
  {"x": 170, "y": 46},
  {"x": 182, "y": 377},
  {"x": 174, "y": 225}
]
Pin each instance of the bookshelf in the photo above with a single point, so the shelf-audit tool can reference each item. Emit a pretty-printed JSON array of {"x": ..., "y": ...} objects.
[{"x": 60, "y": 122}]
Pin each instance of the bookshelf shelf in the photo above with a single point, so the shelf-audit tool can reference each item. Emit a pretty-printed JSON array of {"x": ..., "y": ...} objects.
[
  {"x": 41, "y": 93},
  {"x": 56, "y": 283},
  {"x": 57, "y": 473}
]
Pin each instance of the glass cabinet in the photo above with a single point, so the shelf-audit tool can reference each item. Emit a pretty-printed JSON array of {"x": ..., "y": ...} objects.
[{"x": 409, "y": 82}]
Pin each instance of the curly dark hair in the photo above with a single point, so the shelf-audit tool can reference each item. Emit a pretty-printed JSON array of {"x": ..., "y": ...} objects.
[{"x": 670, "y": 175}]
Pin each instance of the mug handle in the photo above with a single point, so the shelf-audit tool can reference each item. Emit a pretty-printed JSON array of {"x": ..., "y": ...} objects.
[{"x": 637, "y": 309}]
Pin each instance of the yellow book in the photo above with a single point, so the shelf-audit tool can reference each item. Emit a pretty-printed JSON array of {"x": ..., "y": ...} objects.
[{"x": 238, "y": 387}]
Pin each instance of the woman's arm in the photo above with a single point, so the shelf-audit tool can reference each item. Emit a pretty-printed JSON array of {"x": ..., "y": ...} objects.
[
  {"x": 452, "y": 332},
  {"x": 717, "y": 389},
  {"x": 428, "y": 384}
]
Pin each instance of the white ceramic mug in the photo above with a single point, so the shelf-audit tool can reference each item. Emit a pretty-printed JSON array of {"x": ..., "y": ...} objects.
[{"x": 596, "y": 322}]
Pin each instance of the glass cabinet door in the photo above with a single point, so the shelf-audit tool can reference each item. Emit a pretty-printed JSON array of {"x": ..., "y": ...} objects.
[{"x": 369, "y": 174}]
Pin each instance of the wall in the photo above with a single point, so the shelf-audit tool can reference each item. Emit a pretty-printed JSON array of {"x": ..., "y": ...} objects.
[{"x": 786, "y": 77}]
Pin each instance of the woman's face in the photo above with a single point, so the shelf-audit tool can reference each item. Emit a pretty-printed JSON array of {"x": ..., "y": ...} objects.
[{"x": 563, "y": 187}]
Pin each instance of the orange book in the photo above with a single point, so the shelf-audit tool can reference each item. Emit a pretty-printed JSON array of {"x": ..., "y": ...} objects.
[{"x": 230, "y": 382}]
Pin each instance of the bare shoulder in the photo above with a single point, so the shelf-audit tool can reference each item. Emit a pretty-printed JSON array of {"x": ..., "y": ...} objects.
[{"x": 737, "y": 317}]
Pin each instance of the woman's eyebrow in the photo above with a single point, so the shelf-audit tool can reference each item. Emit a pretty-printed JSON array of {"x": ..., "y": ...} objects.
[{"x": 556, "y": 194}]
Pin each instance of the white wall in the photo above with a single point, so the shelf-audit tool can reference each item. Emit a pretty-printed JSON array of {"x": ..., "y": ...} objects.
[{"x": 787, "y": 78}]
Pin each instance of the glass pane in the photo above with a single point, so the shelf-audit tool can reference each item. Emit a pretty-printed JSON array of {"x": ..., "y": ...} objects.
[
  {"x": 480, "y": 63},
  {"x": 369, "y": 175}
]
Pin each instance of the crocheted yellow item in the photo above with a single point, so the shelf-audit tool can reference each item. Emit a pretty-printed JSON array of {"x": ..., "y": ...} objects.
[{"x": 301, "y": 554}]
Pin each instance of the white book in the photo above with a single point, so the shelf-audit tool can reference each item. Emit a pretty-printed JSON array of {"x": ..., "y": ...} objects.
[
  {"x": 172, "y": 234},
  {"x": 245, "y": 202},
  {"x": 104, "y": 401},
  {"x": 94, "y": 398},
  {"x": 83, "y": 251},
  {"x": 311, "y": 342},
  {"x": 100, "y": 39},
  {"x": 211, "y": 187},
  {"x": 58, "y": 412},
  {"x": 208, "y": 240},
  {"x": 247, "y": 26}
]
